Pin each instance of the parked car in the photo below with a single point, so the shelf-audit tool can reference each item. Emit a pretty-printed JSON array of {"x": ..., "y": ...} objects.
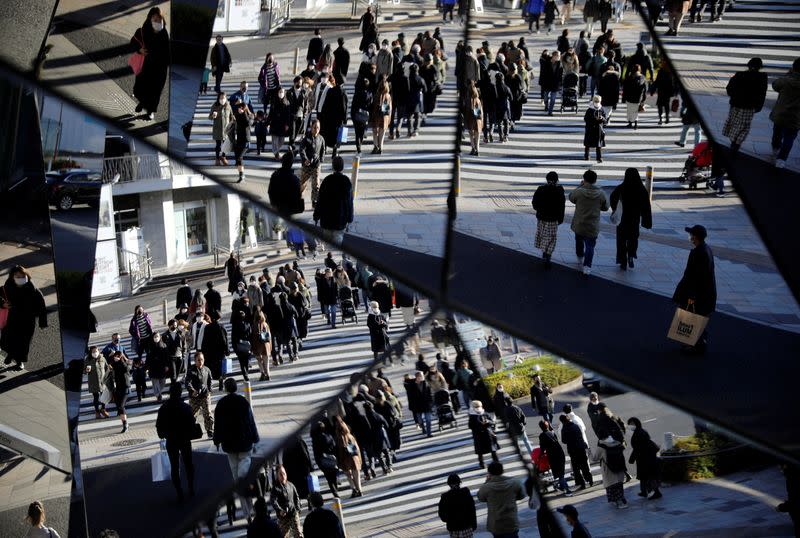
[
  {"x": 75, "y": 186},
  {"x": 594, "y": 382}
]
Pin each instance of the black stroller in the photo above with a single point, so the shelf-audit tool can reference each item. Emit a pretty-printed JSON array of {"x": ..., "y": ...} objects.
[
  {"x": 346, "y": 305},
  {"x": 444, "y": 410},
  {"x": 569, "y": 93}
]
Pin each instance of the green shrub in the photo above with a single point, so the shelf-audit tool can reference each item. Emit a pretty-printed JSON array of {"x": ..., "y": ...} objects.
[
  {"x": 706, "y": 455},
  {"x": 518, "y": 379}
]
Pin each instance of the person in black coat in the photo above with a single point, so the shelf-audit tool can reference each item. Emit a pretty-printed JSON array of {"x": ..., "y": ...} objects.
[
  {"x": 176, "y": 424},
  {"x": 215, "y": 346},
  {"x": 382, "y": 293},
  {"x": 666, "y": 86},
  {"x": 548, "y": 201},
  {"x": 323, "y": 446},
  {"x": 636, "y": 211},
  {"x": 25, "y": 303},
  {"x": 284, "y": 327},
  {"x": 235, "y": 427},
  {"x": 572, "y": 437},
  {"x": 697, "y": 290},
  {"x": 747, "y": 91},
  {"x": 297, "y": 462},
  {"x": 321, "y": 522},
  {"x": 213, "y": 299},
  {"x": 420, "y": 400},
  {"x": 241, "y": 332},
  {"x": 551, "y": 80},
  {"x": 184, "y": 294},
  {"x": 220, "y": 62},
  {"x": 634, "y": 90},
  {"x": 457, "y": 507},
  {"x": 414, "y": 104},
  {"x": 380, "y": 438},
  {"x": 594, "y": 135},
  {"x": 333, "y": 115},
  {"x": 378, "y": 330},
  {"x": 152, "y": 40},
  {"x": 608, "y": 89},
  {"x": 483, "y": 437},
  {"x": 341, "y": 63},
  {"x": 645, "y": 454},
  {"x": 360, "y": 109},
  {"x": 280, "y": 121},
  {"x": 334, "y": 209},
  {"x": 315, "y": 47},
  {"x": 550, "y": 446},
  {"x": 539, "y": 397},
  {"x": 262, "y": 526},
  {"x": 284, "y": 189}
]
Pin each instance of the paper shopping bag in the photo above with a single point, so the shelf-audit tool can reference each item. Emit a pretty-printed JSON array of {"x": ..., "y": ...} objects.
[
  {"x": 159, "y": 462},
  {"x": 687, "y": 327},
  {"x": 341, "y": 135},
  {"x": 227, "y": 366},
  {"x": 313, "y": 483}
]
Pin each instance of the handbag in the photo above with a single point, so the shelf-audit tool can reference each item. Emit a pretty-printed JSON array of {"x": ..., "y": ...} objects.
[
  {"x": 197, "y": 431},
  {"x": 227, "y": 366},
  {"x": 361, "y": 116},
  {"x": 327, "y": 462},
  {"x": 4, "y": 311},
  {"x": 687, "y": 327},
  {"x": 352, "y": 449},
  {"x": 299, "y": 206},
  {"x": 385, "y": 108},
  {"x": 136, "y": 60},
  {"x": 160, "y": 468},
  {"x": 105, "y": 396},
  {"x": 264, "y": 336},
  {"x": 641, "y": 107},
  {"x": 616, "y": 216},
  {"x": 675, "y": 104},
  {"x": 313, "y": 483},
  {"x": 476, "y": 112},
  {"x": 243, "y": 346},
  {"x": 341, "y": 134}
]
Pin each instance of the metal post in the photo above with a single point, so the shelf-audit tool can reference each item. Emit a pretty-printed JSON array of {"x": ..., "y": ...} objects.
[
  {"x": 356, "y": 165},
  {"x": 458, "y": 174},
  {"x": 296, "y": 59},
  {"x": 336, "y": 505},
  {"x": 164, "y": 310},
  {"x": 248, "y": 392},
  {"x": 648, "y": 181}
]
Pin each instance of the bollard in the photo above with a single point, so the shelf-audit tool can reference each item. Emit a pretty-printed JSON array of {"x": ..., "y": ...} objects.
[
  {"x": 164, "y": 311},
  {"x": 336, "y": 505},
  {"x": 296, "y": 59},
  {"x": 648, "y": 181},
  {"x": 669, "y": 440},
  {"x": 248, "y": 392},
  {"x": 458, "y": 173},
  {"x": 356, "y": 165}
]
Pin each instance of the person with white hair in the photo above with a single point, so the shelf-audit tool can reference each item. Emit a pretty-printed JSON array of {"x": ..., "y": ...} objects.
[
  {"x": 594, "y": 135},
  {"x": 378, "y": 331}
]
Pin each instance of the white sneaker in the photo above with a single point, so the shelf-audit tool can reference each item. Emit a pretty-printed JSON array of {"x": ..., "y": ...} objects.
[
  {"x": 780, "y": 163},
  {"x": 587, "y": 270}
]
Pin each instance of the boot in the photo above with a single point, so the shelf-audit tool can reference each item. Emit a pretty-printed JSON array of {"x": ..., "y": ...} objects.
[
  {"x": 217, "y": 161},
  {"x": 599, "y": 154},
  {"x": 104, "y": 413},
  {"x": 97, "y": 415},
  {"x": 224, "y": 160},
  {"x": 586, "y": 154},
  {"x": 124, "y": 426}
]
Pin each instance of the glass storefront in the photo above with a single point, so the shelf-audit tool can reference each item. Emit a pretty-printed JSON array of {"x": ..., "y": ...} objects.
[
  {"x": 259, "y": 219},
  {"x": 191, "y": 229}
]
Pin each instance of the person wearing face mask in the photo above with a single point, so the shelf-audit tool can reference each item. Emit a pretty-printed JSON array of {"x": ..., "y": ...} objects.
[
  {"x": 280, "y": 121},
  {"x": 114, "y": 345},
  {"x": 297, "y": 96},
  {"x": 152, "y": 41},
  {"x": 183, "y": 313},
  {"x": 25, "y": 303},
  {"x": 175, "y": 341},
  {"x": 341, "y": 63},
  {"x": 384, "y": 61},
  {"x": 244, "y": 118},
  {"x": 269, "y": 80},
  {"x": 196, "y": 330},
  {"x": 645, "y": 454},
  {"x": 370, "y": 55},
  {"x": 141, "y": 331},
  {"x": 221, "y": 114},
  {"x": 243, "y": 96},
  {"x": 159, "y": 365},
  {"x": 96, "y": 368},
  {"x": 118, "y": 381}
]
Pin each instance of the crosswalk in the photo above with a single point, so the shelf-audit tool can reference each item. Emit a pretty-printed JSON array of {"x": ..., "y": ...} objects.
[
  {"x": 763, "y": 28},
  {"x": 328, "y": 358}
]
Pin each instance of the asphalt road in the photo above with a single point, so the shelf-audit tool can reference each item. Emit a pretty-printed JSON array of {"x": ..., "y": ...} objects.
[{"x": 22, "y": 30}]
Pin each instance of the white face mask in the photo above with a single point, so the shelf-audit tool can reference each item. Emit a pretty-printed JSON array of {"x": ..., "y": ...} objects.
[
  {"x": 244, "y": 90},
  {"x": 20, "y": 281},
  {"x": 323, "y": 81},
  {"x": 157, "y": 26},
  {"x": 222, "y": 101},
  {"x": 95, "y": 354},
  {"x": 281, "y": 95}
]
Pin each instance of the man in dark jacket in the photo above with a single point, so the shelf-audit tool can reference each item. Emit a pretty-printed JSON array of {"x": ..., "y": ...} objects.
[
  {"x": 327, "y": 295},
  {"x": 548, "y": 201},
  {"x": 175, "y": 341},
  {"x": 315, "y": 47},
  {"x": 284, "y": 190},
  {"x": 572, "y": 436},
  {"x": 697, "y": 290},
  {"x": 184, "y": 294},
  {"x": 515, "y": 422},
  {"x": 321, "y": 522},
  {"x": 747, "y": 90},
  {"x": 312, "y": 151},
  {"x": 420, "y": 401},
  {"x": 214, "y": 346},
  {"x": 213, "y": 298},
  {"x": 175, "y": 423},
  {"x": 341, "y": 63},
  {"x": 641, "y": 58},
  {"x": 551, "y": 79},
  {"x": 220, "y": 62},
  {"x": 334, "y": 209},
  {"x": 539, "y": 394},
  {"x": 199, "y": 384},
  {"x": 297, "y": 96},
  {"x": 236, "y": 432},
  {"x": 457, "y": 507}
]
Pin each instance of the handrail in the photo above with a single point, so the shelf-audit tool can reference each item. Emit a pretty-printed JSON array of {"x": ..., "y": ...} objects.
[
  {"x": 140, "y": 267},
  {"x": 137, "y": 167}
]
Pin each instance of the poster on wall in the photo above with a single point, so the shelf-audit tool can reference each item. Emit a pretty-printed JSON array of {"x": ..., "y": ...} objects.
[
  {"x": 106, "y": 270},
  {"x": 244, "y": 15},
  {"x": 105, "y": 224}
]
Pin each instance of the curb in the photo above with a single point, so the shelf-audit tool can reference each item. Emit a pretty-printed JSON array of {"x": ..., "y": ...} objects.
[
  {"x": 30, "y": 446},
  {"x": 569, "y": 385}
]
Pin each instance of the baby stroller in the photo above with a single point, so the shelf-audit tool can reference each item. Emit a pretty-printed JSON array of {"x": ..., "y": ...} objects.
[
  {"x": 444, "y": 410},
  {"x": 346, "y": 305},
  {"x": 569, "y": 93},
  {"x": 697, "y": 168},
  {"x": 541, "y": 470}
]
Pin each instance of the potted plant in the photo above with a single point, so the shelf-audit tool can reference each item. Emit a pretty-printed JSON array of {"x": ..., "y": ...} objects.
[{"x": 278, "y": 229}]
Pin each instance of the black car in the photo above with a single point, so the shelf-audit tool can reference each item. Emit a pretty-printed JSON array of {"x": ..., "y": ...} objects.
[{"x": 69, "y": 187}]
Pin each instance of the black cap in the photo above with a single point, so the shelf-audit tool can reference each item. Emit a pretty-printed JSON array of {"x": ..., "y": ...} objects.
[
  {"x": 568, "y": 510},
  {"x": 697, "y": 231},
  {"x": 184, "y": 305}
]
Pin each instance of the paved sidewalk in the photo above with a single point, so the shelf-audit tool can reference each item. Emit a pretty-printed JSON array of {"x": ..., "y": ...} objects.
[
  {"x": 37, "y": 259},
  {"x": 88, "y": 63}
]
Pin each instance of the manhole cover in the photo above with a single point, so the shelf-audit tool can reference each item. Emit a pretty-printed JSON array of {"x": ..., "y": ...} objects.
[{"x": 129, "y": 442}]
